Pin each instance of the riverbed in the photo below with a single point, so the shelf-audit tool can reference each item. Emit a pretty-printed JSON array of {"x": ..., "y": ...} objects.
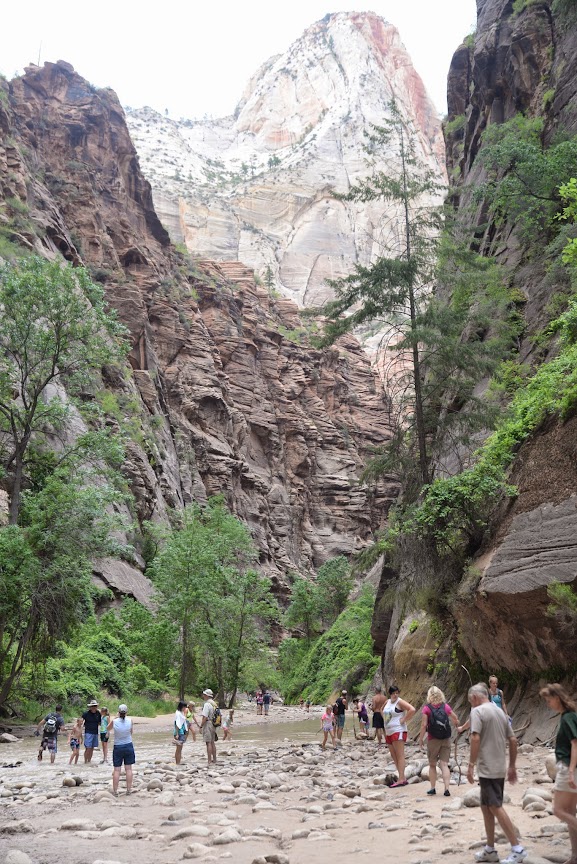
[{"x": 273, "y": 796}]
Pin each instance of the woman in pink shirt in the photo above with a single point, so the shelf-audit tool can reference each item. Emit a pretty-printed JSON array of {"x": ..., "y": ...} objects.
[{"x": 437, "y": 718}]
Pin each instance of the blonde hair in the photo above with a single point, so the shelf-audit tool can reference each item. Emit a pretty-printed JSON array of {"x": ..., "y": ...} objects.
[
  {"x": 104, "y": 711},
  {"x": 435, "y": 696}
]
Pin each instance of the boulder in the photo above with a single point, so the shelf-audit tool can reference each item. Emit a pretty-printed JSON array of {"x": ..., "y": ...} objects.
[{"x": 7, "y": 738}]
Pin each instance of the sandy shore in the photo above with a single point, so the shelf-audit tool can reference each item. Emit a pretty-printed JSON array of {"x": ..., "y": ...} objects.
[{"x": 278, "y": 802}]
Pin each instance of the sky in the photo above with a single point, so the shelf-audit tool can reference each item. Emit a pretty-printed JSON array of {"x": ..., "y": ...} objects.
[{"x": 194, "y": 57}]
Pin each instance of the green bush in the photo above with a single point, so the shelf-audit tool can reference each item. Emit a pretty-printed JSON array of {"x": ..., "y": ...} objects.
[{"x": 340, "y": 658}]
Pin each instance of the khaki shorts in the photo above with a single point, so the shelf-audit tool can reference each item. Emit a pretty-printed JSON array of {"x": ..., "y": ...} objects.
[
  {"x": 562, "y": 779},
  {"x": 209, "y": 733},
  {"x": 439, "y": 748}
]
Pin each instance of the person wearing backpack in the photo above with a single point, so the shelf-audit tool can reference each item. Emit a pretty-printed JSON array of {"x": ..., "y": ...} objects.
[
  {"x": 436, "y": 723},
  {"x": 208, "y": 726},
  {"x": 51, "y": 725}
]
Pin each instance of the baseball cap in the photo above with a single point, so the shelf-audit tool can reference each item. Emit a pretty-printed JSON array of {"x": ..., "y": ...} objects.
[{"x": 122, "y": 709}]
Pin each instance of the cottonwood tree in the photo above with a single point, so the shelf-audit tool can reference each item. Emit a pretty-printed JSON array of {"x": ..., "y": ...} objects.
[
  {"x": 206, "y": 584},
  {"x": 45, "y": 567},
  {"x": 55, "y": 331}
]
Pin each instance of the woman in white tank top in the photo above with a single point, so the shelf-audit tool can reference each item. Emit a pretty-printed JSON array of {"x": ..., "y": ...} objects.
[
  {"x": 123, "y": 750},
  {"x": 396, "y": 714}
]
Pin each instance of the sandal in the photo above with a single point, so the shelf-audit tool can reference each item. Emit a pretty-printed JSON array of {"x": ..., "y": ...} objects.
[{"x": 399, "y": 783}]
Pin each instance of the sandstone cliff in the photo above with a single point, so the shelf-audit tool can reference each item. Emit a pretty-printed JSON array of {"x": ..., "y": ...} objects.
[
  {"x": 259, "y": 186},
  {"x": 225, "y": 392},
  {"x": 518, "y": 61}
]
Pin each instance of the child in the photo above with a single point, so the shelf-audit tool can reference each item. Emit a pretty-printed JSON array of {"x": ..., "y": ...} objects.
[
  {"x": 227, "y": 725},
  {"x": 191, "y": 719},
  {"x": 75, "y": 740},
  {"x": 327, "y": 727},
  {"x": 104, "y": 734}
]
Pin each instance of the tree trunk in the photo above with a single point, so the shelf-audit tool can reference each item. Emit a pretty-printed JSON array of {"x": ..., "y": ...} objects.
[{"x": 184, "y": 643}]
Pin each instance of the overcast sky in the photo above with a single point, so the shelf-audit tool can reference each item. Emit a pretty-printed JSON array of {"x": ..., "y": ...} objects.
[{"x": 195, "y": 56}]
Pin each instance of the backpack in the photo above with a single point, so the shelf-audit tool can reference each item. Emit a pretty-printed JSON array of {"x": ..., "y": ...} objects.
[
  {"x": 336, "y": 709},
  {"x": 216, "y": 717},
  {"x": 50, "y": 726},
  {"x": 439, "y": 724}
]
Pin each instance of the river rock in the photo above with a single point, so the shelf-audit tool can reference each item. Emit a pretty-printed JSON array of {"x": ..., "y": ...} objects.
[
  {"x": 178, "y": 815},
  {"x": 18, "y": 826},
  {"x": 192, "y": 831},
  {"x": 229, "y": 835},
  {"x": 153, "y": 784},
  {"x": 167, "y": 799},
  {"x": 472, "y": 798},
  {"x": 69, "y": 781},
  {"x": 7, "y": 738},
  {"x": 551, "y": 765},
  {"x": 127, "y": 832},
  {"x": 16, "y": 856},
  {"x": 196, "y": 850},
  {"x": 78, "y": 825},
  {"x": 540, "y": 793}
]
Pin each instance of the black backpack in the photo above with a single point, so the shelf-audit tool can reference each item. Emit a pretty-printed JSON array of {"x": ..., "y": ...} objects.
[{"x": 439, "y": 724}]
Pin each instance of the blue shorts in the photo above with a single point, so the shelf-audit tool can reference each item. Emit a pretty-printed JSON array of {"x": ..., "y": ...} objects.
[
  {"x": 181, "y": 736},
  {"x": 123, "y": 753},
  {"x": 91, "y": 739},
  {"x": 340, "y": 721}
]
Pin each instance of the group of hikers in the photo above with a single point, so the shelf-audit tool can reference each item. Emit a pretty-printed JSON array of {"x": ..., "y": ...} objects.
[
  {"x": 489, "y": 725},
  {"x": 491, "y": 732}
]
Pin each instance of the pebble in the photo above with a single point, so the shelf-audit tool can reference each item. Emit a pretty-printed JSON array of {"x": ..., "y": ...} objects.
[
  {"x": 178, "y": 815},
  {"x": 230, "y": 835},
  {"x": 192, "y": 831},
  {"x": 19, "y": 826},
  {"x": 196, "y": 850},
  {"x": 78, "y": 825}
]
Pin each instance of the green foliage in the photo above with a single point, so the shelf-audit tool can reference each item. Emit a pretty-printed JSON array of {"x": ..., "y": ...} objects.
[
  {"x": 548, "y": 97},
  {"x": 413, "y": 626},
  {"x": 303, "y": 611},
  {"x": 520, "y": 5},
  {"x": 206, "y": 587},
  {"x": 45, "y": 569},
  {"x": 340, "y": 658},
  {"x": 563, "y": 606},
  {"x": 524, "y": 176},
  {"x": 568, "y": 193},
  {"x": 55, "y": 330},
  {"x": 334, "y": 584},
  {"x": 455, "y": 125}
]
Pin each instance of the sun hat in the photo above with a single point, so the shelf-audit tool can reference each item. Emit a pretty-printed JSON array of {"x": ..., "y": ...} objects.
[
  {"x": 93, "y": 703},
  {"x": 208, "y": 692},
  {"x": 122, "y": 709},
  {"x": 344, "y": 692}
]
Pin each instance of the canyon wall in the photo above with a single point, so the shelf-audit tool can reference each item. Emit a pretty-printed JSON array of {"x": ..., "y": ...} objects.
[
  {"x": 519, "y": 61},
  {"x": 224, "y": 388}
]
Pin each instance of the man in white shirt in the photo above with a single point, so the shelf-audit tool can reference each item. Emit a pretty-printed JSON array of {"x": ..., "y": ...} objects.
[{"x": 207, "y": 726}]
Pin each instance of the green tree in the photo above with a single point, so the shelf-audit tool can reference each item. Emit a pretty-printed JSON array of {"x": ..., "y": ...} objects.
[
  {"x": 55, "y": 331},
  {"x": 303, "y": 611},
  {"x": 442, "y": 308},
  {"x": 334, "y": 584},
  {"x": 45, "y": 568},
  {"x": 205, "y": 584}
]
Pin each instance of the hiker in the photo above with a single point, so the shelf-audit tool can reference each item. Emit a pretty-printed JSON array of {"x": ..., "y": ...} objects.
[
  {"x": 266, "y": 701},
  {"x": 340, "y": 711},
  {"x": 180, "y": 733},
  {"x": 105, "y": 720},
  {"x": 259, "y": 702},
  {"x": 377, "y": 705},
  {"x": 207, "y": 726},
  {"x": 328, "y": 727},
  {"x": 227, "y": 725},
  {"x": 496, "y": 695},
  {"x": 436, "y": 723},
  {"x": 308, "y": 704},
  {"x": 565, "y": 789},
  {"x": 75, "y": 740},
  {"x": 91, "y": 719},
  {"x": 123, "y": 750},
  {"x": 361, "y": 709},
  {"x": 51, "y": 725},
  {"x": 490, "y": 732},
  {"x": 191, "y": 719},
  {"x": 397, "y": 714}
]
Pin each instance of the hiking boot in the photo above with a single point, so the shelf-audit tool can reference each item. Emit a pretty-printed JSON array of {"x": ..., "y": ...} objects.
[
  {"x": 514, "y": 857},
  {"x": 483, "y": 855},
  {"x": 432, "y": 792}
]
